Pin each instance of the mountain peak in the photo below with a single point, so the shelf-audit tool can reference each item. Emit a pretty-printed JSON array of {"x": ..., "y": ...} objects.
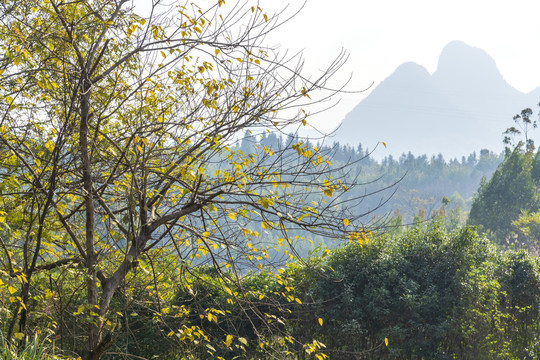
[
  {"x": 460, "y": 61},
  {"x": 463, "y": 107},
  {"x": 408, "y": 75},
  {"x": 412, "y": 69}
]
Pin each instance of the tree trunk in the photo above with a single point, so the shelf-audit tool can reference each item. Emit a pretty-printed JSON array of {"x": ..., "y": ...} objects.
[{"x": 91, "y": 256}]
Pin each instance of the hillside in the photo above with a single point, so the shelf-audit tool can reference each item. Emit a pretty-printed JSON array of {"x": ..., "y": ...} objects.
[{"x": 464, "y": 106}]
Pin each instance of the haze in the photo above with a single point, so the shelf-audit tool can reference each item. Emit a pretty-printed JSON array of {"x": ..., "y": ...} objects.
[{"x": 381, "y": 35}]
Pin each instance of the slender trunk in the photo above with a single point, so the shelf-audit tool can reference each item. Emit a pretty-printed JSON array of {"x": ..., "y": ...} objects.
[
  {"x": 22, "y": 308},
  {"x": 91, "y": 256}
]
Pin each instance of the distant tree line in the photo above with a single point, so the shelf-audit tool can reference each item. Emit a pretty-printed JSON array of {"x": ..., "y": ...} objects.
[{"x": 422, "y": 182}]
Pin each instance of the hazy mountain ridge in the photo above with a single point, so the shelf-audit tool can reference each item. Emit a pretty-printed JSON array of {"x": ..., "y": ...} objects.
[{"x": 462, "y": 107}]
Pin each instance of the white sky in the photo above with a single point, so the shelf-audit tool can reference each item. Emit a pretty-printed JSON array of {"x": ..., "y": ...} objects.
[{"x": 379, "y": 35}]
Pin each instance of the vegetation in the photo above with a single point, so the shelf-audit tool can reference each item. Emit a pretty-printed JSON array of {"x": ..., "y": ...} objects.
[
  {"x": 432, "y": 294},
  {"x": 429, "y": 293},
  {"x": 117, "y": 167},
  {"x": 423, "y": 182},
  {"x": 135, "y": 221},
  {"x": 34, "y": 350},
  {"x": 507, "y": 205}
]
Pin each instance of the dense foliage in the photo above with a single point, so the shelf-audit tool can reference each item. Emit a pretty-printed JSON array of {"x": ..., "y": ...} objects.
[
  {"x": 507, "y": 205},
  {"x": 432, "y": 294},
  {"x": 429, "y": 293}
]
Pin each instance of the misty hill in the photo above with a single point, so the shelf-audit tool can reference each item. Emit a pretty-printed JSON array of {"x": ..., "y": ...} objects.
[{"x": 464, "y": 106}]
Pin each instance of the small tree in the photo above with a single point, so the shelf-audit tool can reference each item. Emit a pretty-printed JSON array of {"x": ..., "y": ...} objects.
[
  {"x": 524, "y": 125},
  {"x": 116, "y": 153}
]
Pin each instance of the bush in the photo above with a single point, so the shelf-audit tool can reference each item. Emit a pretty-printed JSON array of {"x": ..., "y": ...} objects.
[{"x": 431, "y": 293}]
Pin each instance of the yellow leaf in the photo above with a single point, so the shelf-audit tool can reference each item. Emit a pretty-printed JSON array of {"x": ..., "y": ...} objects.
[
  {"x": 212, "y": 317},
  {"x": 265, "y": 18},
  {"x": 386, "y": 341},
  {"x": 79, "y": 310},
  {"x": 320, "y": 321},
  {"x": 242, "y": 340},
  {"x": 12, "y": 290},
  {"x": 384, "y": 144},
  {"x": 232, "y": 216},
  {"x": 229, "y": 340},
  {"x": 217, "y": 52},
  {"x": 49, "y": 145},
  {"x": 346, "y": 222}
]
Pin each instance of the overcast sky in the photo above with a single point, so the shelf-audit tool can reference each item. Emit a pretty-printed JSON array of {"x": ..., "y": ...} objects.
[{"x": 379, "y": 35}]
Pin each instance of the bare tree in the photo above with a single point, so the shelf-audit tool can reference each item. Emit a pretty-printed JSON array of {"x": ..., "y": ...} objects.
[
  {"x": 117, "y": 133},
  {"x": 525, "y": 125}
]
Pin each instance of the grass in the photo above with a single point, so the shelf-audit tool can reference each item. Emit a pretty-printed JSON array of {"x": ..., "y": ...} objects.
[{"x": 34, "y": 350}]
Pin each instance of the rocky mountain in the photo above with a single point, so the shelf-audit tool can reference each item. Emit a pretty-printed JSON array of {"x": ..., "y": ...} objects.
[{"x": 464, "y": 106}]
